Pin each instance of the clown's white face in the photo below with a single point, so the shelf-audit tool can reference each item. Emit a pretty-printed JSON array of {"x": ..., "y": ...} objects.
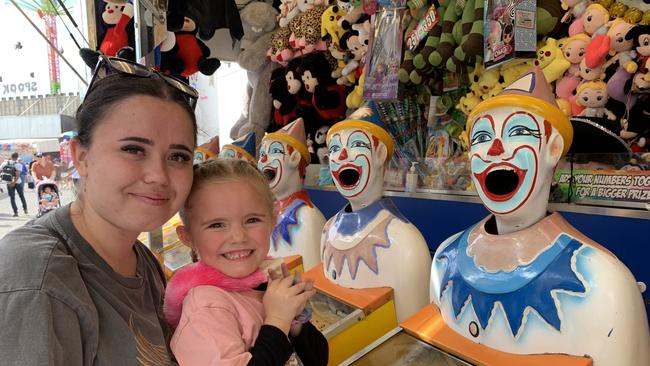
[
  {"x": 280, "y": 164},
  {"x": 228, "y": 153},
  {"x": 510, "y": 160},
  {"x": 356, "y": 160}
]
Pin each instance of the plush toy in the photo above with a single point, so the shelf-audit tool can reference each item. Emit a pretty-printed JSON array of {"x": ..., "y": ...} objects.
[
  {"x": 280, "y": 50},
  {"x": 596, "y": 20},
  {"x": 422, "y": 59},
  {"x": 470, "y": 48},
  {"x": 356, "y": 42},
  {"x": 118, "y": 39},
  {"x": 640, "y": 37},
  {"x": 623, "y": 55},
  {"x": 551, "y": 60},
  {"x": 327, "y": 96},
  {"x": 589, "y": 74},
  {"x": 330, "y": 27},
  {"x": 317, "y": 145},
  {"x": 259, "y": 20},
  {"x": 288, "y": 11},
  {"x": 355, "y": 97},
  {"x": 574, "y": 50},
  {"x": 311, "y": 40},
  {"x": 468, "y": 102},
  {"x": 284, "y": 103},
  {"x": 447, "y": 44},
  {"x": 575, "y": 10},
  {"x": 341, "y": 56},
  {"x": 189, "y": 55},
  {"x": 593, "y": 96}
]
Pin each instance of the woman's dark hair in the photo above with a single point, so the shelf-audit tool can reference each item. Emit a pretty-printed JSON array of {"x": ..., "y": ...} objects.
[{"x": 115, "y": 88}]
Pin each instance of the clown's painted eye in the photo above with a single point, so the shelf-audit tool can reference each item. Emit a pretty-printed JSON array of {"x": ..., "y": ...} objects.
[
  {"x": 334, "y": 148},
  {"x": 523, "y": 131},
  {"x": 360, "y": 144},
  {"x": 481, "y": 137},
  {"x": 276, "y": 150}
]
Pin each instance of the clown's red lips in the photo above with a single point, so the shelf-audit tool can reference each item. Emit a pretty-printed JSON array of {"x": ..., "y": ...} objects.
[
  {"x": 348, "y": 175},
  {"x": 501, "y": 181}
]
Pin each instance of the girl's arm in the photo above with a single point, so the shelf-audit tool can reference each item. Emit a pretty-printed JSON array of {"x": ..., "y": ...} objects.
[
  {"x": 211, "y": 335},
  {"x": 311, "y": 346}
]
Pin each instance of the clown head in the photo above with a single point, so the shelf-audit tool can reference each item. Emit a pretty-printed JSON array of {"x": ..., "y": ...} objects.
[
  {"x": 207, "y": 150},
  {"x": 516, "y": 140},
  {"x": 284, "y": 158},
  {"x": 359, "y": 148},
  {"x": 243, "y": 148}
]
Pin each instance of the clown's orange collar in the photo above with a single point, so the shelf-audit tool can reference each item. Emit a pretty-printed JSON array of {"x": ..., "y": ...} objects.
[{"x": 281, "y": 205}]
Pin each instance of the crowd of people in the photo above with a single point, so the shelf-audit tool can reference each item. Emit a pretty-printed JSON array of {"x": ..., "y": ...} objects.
[{"x": 95, "y": 294}]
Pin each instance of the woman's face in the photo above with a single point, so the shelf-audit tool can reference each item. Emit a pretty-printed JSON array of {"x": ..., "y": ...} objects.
[{"x": 137, "y": 171}]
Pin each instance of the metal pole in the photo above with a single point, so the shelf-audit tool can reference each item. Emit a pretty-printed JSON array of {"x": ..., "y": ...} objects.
[{"x": 49, "y": 42}]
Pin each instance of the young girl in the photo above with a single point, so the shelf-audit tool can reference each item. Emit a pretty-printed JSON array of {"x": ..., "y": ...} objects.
[{"x": 224, "y": 310}]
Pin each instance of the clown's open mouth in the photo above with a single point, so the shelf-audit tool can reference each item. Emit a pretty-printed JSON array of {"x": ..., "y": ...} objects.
[
  {"x": 348, "y": 176},
  {"x": 501, "y": 182},
  {"x": 270, "y": 173}
]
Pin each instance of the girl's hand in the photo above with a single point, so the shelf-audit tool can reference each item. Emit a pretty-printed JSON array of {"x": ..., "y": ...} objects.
[{"x": 283, "y": 300}]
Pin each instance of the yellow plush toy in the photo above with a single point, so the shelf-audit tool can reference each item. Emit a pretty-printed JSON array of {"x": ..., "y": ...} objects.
[
  {"x": 551, "y": 60},
  {"x": 467, "y": 103},
  {"x": 330, "y": 27},
  {"x": 355, "y": 98}
]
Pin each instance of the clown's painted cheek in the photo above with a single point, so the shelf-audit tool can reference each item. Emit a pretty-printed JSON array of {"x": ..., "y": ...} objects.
[
  {"x": 504, "y": 167},
  {"x": 350, "y": 157},
  {"x": 271, "y": 163}
]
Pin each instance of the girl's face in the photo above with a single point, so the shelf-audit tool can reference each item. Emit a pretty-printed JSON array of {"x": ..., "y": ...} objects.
[
  {"x": 137, "y": 171},
  {"x": 230, "y": 227}
]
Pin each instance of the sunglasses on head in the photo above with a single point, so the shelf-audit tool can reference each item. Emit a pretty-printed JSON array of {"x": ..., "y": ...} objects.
[{"x": 115, "y": 65}]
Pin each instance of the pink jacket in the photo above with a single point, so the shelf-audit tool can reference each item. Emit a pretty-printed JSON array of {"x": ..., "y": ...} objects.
[{"x": 217, "y": 318}]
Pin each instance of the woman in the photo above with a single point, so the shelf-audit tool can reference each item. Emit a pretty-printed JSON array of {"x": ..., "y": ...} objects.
[{"x": 76, "y": 287}]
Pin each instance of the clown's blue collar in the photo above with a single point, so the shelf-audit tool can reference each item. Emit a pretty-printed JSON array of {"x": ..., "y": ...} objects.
[
  {"x": 349, "y": 222},
  {"x": 529, "y": 285},
  {"x": 287, "y": 219}
]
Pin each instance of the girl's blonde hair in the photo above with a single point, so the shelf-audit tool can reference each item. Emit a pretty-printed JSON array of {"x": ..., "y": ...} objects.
[
  {"x": 592, "y": 84},
  {"x": 229, "y": 170}
]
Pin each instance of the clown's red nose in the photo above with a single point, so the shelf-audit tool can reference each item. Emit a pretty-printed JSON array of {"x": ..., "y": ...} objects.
[
  {"x": 344, "y": 154},
  {"x": 496, "y": 149},
  {"x": 264, "y": 158}
]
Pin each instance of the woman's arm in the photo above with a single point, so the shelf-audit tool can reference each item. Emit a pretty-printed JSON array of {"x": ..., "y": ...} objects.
[{"x": 36, "y": 329}]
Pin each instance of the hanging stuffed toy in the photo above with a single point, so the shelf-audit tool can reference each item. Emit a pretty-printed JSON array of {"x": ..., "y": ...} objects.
[
  {"x": 118, "y": 39},
  {"x": 327, "y": 96},
  {"x": 189, "y": 54},
  {"x": 284, "y": 103},
  {"x": 259, "y": 20}
]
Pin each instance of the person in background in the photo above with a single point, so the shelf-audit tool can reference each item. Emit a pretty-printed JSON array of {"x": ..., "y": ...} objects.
[
  {"x": 11, "y": 172},
  {"x": 43, "y": 169},
  {"x": 226, "y": 309},
  {"x": 24, "y": 174},
  {"x": 78, "y": 288}
]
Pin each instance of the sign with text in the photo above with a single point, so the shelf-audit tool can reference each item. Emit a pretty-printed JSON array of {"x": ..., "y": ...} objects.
[{"x": 610, "y": 185}]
